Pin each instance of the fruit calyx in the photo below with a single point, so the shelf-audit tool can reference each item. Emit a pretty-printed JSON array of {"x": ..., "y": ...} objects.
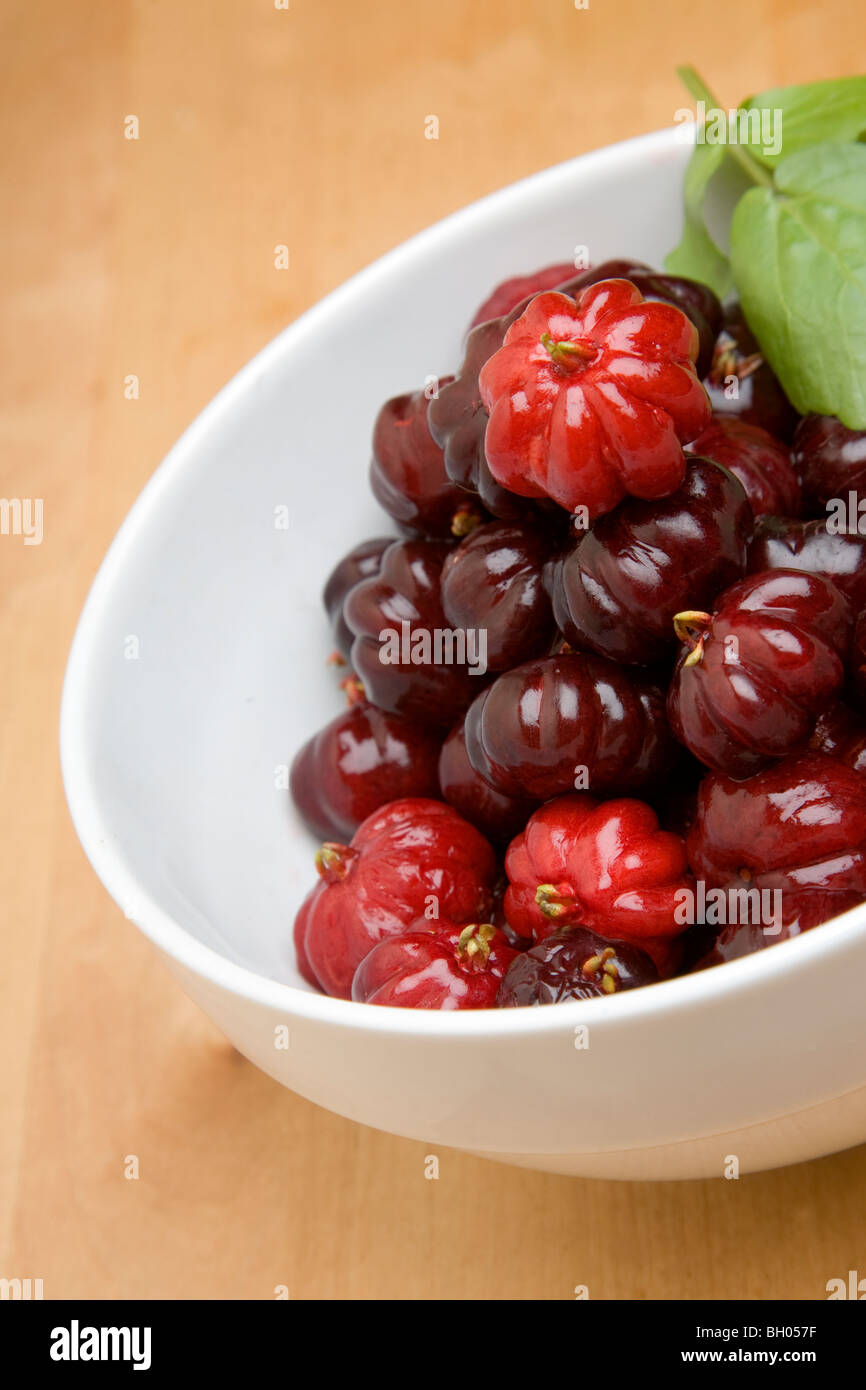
[
  {"x": 464, "y": 521},
  {"x": 692, "y": 628},
  {"x": 571, "y": 354},
  {"x": 729, "y": 362},
  {"x": 334, "y": 861},
  {"x": 473, "y": 943},
  {"x": 552, "y": 903},
  {"x": 353, "y": 689},
  {"x": 602, "y": 970}
]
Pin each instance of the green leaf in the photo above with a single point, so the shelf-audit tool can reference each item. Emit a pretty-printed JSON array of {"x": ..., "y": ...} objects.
[
  {"x": 811, "y": 114},
  {"x": 798, "y": 255},
  {"x": 697, "y": 255}
]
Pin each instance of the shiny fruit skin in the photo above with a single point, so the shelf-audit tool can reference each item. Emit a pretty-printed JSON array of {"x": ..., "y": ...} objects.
[
  {"x": 697, "y": 301},
  {"x": 362, "y": 759},
  {"x": 406, "y": 590},
  {"x": 761, "y": 463},
  {"x": 738, "y": 362},
  {"x": 494, "y": 581},
  {"x": 798, "y": 827},
  {"x": 782, "y": 543},
  {"x": 829, "y": 459},
  {"x": 617, "y": 591},
  {"x": 362, "y": 562},
  {"x": 407, "y": 473},
  {"x": 409, "y": 854},
  {"x": 458, "y": 422},
  {"x": 590, "y": 400},
  {"x": 574, "y": 963},
  {"x": 457, "y": 416},
  {"x": 858, "y": 659},
  {"x": 435, "y": 965},
  {"x": 519, "y": 288},
  {"x": 754, "y": 676},
  {"x": 841, "y": 734},
  {"x": 496, "y": 815},
  {"x": 603, "y": 865},
  {"x": 537, "y": 727}
]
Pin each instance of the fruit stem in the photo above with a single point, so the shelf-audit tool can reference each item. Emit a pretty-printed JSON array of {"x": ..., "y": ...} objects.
[
  {"x": 333, "y": 861},
  {"x": 692, "y": 629},
  {"x": 566, "y": 353},
  {"x": 697, "y": 87}
]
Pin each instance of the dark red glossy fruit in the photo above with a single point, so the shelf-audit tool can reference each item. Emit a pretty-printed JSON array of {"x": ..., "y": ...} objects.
[
  {"x": 407, "y": 474},
  {"x": 403, "y": 653},
  {"x": 741, "y": 383},
  {"x": 574, "y": 964},
  {"x": 458, "y": 422},
  {"x": 591, "y": 400},
  {"x": 797, "y": 829},
  {"x": 841, "y": 733},
  {"x": 603, "y": 865},
  {"x": 858, "y": 657},
  {"x": 493, "y": 582},
  {"x": 761, "y": 463},
  {"x": 617, "y": 591},
  {"x": 512, "y": 292},
  {"x": 755, "y": 674},
  {"x": 362, "y": 562},
  {"x": 362, "y": 759},
  {"x": 829, "y": 459},
  {"x": 411, "y": 859},
  {"x": 496, "y": 815},
  {"x": 435, "y": 965},
  {"x": 569, "y": 721},
  {"x": 780, "y": 543}
]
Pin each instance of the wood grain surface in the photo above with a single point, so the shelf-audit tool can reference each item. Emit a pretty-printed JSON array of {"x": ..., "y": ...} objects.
[{"x": 154, "y": 257}]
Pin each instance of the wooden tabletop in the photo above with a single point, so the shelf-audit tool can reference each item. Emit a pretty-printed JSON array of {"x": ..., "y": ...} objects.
[{"x": 154, "y": 257}]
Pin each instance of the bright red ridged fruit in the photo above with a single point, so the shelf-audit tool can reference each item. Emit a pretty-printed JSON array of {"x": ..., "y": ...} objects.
[
  {"x": 496, "y": 815},
  {"x": 395, "y": 617},
  {"x": 617, "y": 591},
  {"x": 568, "y": 722},
  {"x": 435, "y": 965},
  {"x": 494, "y": 582},
  {"x": 761, "y": 463},
  {"x": 755, "y": 674},
  {"x": 780, "y": 543},
  {"x": 362, "y": 759},
  {"x": 592, "y": 400},
  {"x": 407, "y": 474},
  {"x": 458, "y": 418},
  {"x": 411, "y": 858},
  {"x": 798, "y": 828},
  {"x": 602, "y": 865}
]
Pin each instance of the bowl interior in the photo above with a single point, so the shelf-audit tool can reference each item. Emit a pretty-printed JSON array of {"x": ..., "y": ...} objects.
[{"x": 200, "y": 663}]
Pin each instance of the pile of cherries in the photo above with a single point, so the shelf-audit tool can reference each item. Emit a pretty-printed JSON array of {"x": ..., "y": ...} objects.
[{"x": 667, "y": 704}]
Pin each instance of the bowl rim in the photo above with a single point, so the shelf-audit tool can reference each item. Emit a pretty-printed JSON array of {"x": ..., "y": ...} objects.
[{"x": 684, "y": 993}]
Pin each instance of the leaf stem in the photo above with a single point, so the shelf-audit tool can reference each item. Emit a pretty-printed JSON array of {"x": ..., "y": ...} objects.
[{"x": 697, "y": 87}]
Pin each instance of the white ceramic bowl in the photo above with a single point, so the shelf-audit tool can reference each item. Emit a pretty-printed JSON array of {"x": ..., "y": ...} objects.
[{"x": 198, "y": 668}]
